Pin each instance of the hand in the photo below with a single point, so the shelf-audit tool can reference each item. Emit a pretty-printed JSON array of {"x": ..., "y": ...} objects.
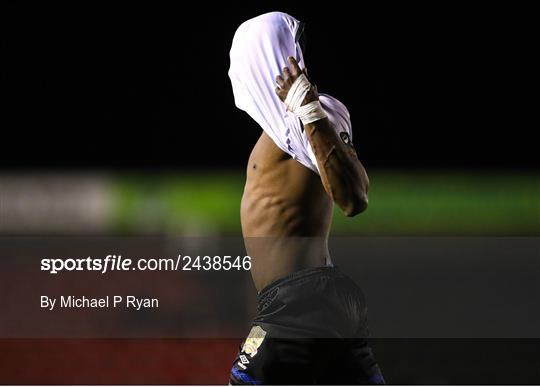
[{"x": 286, "y": 80}]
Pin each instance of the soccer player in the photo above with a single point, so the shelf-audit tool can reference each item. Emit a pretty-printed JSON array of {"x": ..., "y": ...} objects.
[{"x": 311, "y": 325}]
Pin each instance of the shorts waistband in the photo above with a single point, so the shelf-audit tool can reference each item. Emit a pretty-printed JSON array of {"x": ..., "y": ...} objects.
[{"x": 312, "y": 271}]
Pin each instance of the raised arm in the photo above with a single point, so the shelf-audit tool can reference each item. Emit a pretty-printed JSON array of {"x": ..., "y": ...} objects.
[{"x": 342, "y": 174}]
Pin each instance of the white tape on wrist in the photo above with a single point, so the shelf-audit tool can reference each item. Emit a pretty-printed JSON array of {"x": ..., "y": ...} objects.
[
  {"x": 310, "y": 112},
  {"x": 307, "y": 113}
]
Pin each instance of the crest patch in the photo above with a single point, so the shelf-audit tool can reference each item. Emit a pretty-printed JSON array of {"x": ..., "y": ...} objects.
[{"x": 254, "y": 340}]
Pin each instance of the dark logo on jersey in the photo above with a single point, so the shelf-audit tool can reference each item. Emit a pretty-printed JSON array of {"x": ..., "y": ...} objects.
[{"x": 346, "y": 138}]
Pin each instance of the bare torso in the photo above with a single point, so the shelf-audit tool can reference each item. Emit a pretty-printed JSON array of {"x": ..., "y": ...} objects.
[
  {"x": 286, "y": 208},
  {"x": 285, "y": 213}
]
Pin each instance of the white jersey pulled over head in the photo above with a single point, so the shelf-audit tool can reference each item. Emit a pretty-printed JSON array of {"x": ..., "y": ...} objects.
[{"x": 259, "y": 52}]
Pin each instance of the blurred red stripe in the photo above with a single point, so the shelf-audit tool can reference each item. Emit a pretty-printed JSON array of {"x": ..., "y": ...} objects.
[{"x": 116, "y": 361}]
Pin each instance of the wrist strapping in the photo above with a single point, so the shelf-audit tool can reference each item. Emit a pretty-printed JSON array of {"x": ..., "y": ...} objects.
[{"x": 309, "y": 112}]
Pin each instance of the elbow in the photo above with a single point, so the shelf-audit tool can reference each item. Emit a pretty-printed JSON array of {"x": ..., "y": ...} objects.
[
  {"x": 358, "y": 199},
  {"x": 356, "y": 204}
]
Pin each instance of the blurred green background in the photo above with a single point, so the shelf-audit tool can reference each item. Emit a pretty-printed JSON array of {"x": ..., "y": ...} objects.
[{"x": 401, "y": 203}]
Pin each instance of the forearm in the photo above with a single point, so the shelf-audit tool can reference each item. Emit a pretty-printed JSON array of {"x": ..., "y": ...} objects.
[{"x": 342, "y": 174}]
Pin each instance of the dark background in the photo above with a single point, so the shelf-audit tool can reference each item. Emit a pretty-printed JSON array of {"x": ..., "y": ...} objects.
[{"x": 124, "y": 85}]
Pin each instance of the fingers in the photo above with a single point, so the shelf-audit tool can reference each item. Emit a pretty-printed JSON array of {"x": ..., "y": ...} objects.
[
  {"x": 295, "y": 69},
  {"x": 280, "y": 93},
  {"x": 286, "y": 72},
  {"x": 289, "y": 75}
]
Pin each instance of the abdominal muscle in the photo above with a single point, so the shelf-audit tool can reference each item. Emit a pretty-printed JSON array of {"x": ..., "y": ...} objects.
[{"x": 285, "y": 214}]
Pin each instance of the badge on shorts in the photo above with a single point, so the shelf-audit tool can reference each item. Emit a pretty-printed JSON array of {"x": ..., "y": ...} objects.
[
  {"x": 345, "y": 138},
  {"x": 254, "y": 341}
]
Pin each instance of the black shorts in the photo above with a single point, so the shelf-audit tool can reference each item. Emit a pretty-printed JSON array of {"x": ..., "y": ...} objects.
[{"x": 310, "y": 328}]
